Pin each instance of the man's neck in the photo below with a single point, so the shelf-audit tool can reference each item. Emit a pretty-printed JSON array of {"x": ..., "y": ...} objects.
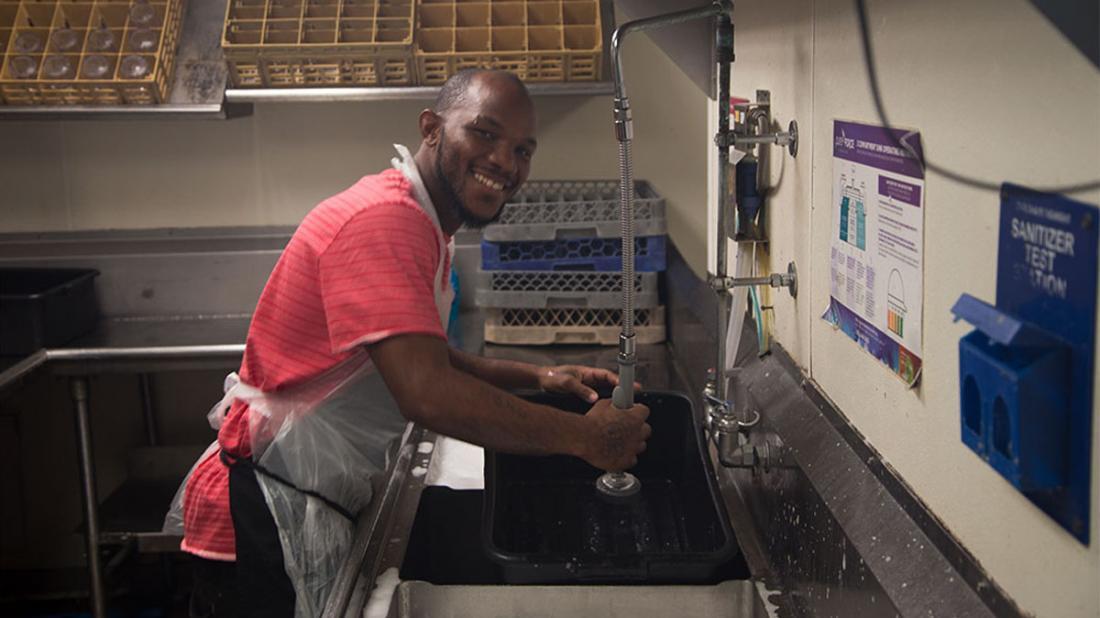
[{"x": 441, "y": 200}]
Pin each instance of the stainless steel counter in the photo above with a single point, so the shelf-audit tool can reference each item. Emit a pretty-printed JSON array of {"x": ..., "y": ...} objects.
[
  {"x": 139, "y": 346},
  {"x": 738, "y": 598},
  {"x": 136, "y": 345}
]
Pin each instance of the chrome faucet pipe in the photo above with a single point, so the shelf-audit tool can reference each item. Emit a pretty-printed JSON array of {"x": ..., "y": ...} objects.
[
  {"x": 718, "y": 7},
  {"x": 779, "y": 138},
  {"x": 622, "y": 484},
  {"x": 724, "y": 40},
  {"x": 624, "y": 133},
  {"x": 787, "y": 280}
]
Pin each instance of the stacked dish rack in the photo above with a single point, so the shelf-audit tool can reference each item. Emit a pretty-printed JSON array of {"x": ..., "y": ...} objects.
[
  {"x": 538, "y": 40},
  {"x": 333, "y": 43},
  {"x": 304, "y": 43},
  {"x": 550, "y": 267},
  {"x": 94, "y": 52}
]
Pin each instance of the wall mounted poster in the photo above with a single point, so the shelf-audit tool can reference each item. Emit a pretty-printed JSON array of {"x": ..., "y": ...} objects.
[{"x": 876, "y": 256}]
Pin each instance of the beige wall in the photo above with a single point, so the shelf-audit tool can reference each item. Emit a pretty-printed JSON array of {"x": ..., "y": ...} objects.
[
  {"x": 997, "y": 93},
  {"x": 266, "y": 169},
  {"x": 272, "y": 167},
  {"x": 670, "y": 142}
]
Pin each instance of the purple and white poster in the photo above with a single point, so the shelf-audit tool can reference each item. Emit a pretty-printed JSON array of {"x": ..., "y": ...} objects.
[{"x": 876, "y": 252}]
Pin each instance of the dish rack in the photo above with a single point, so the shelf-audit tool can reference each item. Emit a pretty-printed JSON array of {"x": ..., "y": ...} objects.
[
  {"x": 333, "y": 43},
  {"x": 572, "y": 325},
  {"x": 540, "y": 289},
  {"x": 538, "y": 40},
  {"x": 556, "y": 209},
  {"x": 304, "y": 43},
  {"x": 99, "y": 52},
  {"x": 551, "y": 265}
]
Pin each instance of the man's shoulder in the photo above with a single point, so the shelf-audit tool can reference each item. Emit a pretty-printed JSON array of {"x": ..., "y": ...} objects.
[
  {"x": 374, "y": 199},
  {"x": 386, "y": 188}
]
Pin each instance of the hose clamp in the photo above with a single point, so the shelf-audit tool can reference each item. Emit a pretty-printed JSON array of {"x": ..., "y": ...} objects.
[{"x": 627, "y": 347}]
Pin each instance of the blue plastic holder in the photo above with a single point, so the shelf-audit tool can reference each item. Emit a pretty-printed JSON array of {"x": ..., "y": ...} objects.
[
  {"x": 1026, "y": 371},
  {"x": 596, "y": 254},
  {"x": 1015, "y": 405}
]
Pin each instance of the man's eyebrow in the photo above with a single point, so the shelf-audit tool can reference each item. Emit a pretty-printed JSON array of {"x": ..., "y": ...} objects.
[
  {"x": 532, "y": 142},
  {"x": 488, "y": 120}
]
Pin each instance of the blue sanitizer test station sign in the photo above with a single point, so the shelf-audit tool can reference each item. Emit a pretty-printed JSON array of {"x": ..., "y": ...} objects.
[{"x": 1047, "y": 276}]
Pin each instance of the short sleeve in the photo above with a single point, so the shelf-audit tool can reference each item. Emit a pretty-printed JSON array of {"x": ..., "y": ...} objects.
[{"x": 378, "y": 277}]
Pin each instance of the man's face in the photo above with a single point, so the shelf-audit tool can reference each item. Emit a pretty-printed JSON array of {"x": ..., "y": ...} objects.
[{"x": 484, "y": 150}]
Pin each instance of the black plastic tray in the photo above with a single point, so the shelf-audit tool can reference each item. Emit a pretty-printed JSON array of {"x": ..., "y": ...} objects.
[
  {"x": 545, "y": 523},
  {"x": 45, "y": 307}
]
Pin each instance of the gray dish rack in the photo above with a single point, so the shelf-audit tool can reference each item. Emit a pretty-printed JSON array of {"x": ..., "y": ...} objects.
[{"x": 551, "y": 306}]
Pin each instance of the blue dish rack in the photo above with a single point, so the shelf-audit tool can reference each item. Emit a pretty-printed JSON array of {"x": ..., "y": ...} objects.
[{"x": 580, "y": 254}]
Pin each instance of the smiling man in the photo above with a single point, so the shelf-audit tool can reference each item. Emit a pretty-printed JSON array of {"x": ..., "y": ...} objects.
[
  {"x": 477, "y": 146},
  {"x": 347, "y": 344}
]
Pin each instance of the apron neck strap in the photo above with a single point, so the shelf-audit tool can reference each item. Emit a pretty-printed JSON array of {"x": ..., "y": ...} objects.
[{"x": 405, "y": 164}]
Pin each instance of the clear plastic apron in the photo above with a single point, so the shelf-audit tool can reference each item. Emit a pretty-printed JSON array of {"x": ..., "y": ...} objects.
[{"x": 322, "y": 442}]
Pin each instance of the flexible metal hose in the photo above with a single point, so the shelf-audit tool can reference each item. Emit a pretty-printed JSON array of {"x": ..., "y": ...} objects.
[
  {"x": 626, "y": 221},
  {"x": 623, "y": 131}
]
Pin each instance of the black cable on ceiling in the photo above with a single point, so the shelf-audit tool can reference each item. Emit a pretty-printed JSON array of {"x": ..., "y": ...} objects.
[{"x": 970, "y": 181}]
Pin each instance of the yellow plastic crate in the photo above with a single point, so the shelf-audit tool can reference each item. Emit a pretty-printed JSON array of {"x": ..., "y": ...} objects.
[
  {"x": 304, "y": 43},
  {"x": 99, "y": 52},
  {"x": 538, "y": 40}
]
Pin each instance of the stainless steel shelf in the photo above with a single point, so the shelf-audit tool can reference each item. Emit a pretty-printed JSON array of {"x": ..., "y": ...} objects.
[
  {"x": 314, "y": 95},
  {"x": 198, "y": 86},
  {"x": 123, "y": 112}
]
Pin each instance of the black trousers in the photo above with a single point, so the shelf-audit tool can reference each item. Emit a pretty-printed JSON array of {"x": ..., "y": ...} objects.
[
  {"x": 257, "y": 583},
  {"x": 213, "y": 589}
]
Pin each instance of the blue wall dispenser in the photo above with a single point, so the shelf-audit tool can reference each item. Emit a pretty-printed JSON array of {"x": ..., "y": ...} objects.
[{"x": 1026, "y": 370}]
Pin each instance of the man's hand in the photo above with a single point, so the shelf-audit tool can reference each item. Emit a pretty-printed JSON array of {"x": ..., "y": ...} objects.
[
  {"x": 577, "y": 380},
  {"x": 615, "y": 437},
  {"x": 418, "y": 372}
]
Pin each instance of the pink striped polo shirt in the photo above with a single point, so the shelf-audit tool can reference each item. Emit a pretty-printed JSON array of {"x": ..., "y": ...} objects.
[{"x": 361, "y": 267}]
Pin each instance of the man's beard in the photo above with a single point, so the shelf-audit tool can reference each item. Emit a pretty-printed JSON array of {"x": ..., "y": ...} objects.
[{"x": 465, "y": 215}]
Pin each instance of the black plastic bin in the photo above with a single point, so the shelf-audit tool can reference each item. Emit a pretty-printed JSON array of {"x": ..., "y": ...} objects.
[
  {"x": 45, "y": 307},
  {"x": 545, "y": 523}
]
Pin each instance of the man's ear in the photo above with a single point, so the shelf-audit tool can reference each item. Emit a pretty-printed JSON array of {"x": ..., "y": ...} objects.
[{"x": 431, "y": 124}]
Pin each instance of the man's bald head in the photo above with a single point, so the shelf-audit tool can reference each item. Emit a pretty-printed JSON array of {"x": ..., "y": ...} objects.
[
  {"x": 456, "y": 90},
  {"x": 476, "y": 146}
]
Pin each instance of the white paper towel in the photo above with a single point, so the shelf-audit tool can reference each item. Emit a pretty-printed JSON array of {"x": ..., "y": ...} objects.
[
  {"x": 743, "y": 267},
  {"x": 456, "y": 464}
]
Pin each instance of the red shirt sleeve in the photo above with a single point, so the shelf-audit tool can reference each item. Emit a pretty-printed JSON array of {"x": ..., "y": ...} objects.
[{"x": 378, "y": 277}]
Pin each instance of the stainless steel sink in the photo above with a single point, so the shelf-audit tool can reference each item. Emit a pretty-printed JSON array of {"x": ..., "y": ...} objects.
[{"x": 731, "y": 599}]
